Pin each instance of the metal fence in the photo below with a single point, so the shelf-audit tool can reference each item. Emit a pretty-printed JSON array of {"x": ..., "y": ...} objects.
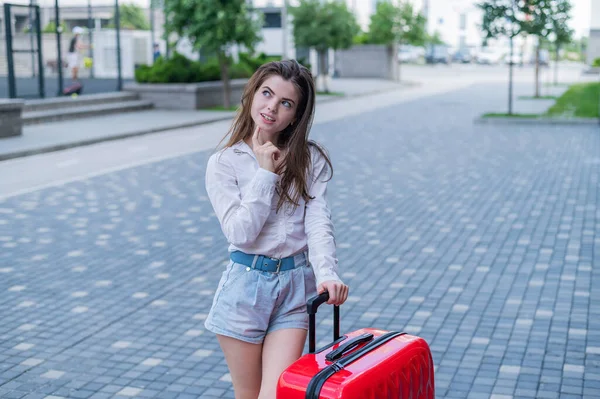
[{"x": 34, "y": 50}]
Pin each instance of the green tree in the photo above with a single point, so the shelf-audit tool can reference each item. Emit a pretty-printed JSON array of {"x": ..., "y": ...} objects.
[
  {"x": 561, "y": 32},
  {"x": 323, "y": 26},
  {"x": 393, "y": 25},
  {"x": 434, "y": 39},
  {"x": 502, "y": 18},
  {"x": 538, "y": 21},
  {"x": 214, "y": 27},
  {"x": 511, "y": 17},
  {"x": 131, "y": 17}
]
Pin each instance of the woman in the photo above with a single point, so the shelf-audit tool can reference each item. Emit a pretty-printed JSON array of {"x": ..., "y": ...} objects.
[{"x": 268, "y": 189}]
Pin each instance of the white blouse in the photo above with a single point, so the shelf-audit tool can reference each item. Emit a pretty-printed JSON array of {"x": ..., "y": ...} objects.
[{"x": 245, "y": 202}]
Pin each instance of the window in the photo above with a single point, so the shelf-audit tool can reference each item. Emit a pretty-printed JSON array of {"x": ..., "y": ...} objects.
[{"x": 272, "y": 20}]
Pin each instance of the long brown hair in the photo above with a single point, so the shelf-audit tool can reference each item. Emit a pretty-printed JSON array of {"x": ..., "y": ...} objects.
[{"x": 294, "y": 168}]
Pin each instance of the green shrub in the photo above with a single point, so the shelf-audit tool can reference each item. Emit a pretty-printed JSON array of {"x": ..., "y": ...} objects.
[
  {"x": 180, "y": 69},
  {"x": 303, "y": 61},
  {"x": 596, "y": 62},
  {"x": 361, "y": 38}
]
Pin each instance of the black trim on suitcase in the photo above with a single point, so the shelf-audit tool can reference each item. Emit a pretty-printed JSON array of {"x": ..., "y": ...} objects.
[
  {"x": 313, "y": 390},
  {"x": 348, "y": 346}
]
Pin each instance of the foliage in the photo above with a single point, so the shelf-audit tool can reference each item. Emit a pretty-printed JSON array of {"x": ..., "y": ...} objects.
[
  {"x": 323, "y": 25},
  {"x": 131, "y": 17},
  {"x": 434, "y": 39},
  {"x": 180, "y": 69},
  {"x": 561, "y": 32},
  {"x": 392, "y": 24},
  {"x": 361, "y": 38},
  {"x": 51, "y": 27},
  {"x": 545, "y": 19},
  {"x": 214, "y": 27},
  {"x": 596, "y": 63}
]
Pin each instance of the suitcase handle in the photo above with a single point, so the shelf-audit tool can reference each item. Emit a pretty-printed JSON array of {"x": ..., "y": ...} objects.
[
  {"x": 311, "y": 307},
  {"x": 348, "y": 346}
]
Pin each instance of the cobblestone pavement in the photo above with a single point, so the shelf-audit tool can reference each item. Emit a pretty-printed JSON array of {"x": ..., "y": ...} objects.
[{"x": 483, "y": 240}]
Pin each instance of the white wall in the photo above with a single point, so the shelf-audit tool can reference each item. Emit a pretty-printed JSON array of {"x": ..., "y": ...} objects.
[
  {"x": 135, "y": 49},
  {"x": 595, "y": 15}
]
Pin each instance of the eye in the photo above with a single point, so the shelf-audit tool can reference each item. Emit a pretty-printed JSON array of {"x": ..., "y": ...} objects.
[
  {"x": 266, "y": 93},
  {"x": 287, "y": 104}
]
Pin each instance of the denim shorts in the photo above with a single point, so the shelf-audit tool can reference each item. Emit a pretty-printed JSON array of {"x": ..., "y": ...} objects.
[{"x": 249, "y": 304}]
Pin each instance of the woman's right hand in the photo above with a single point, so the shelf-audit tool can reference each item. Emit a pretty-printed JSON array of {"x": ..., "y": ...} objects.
[{"x": 267, "y": 154}]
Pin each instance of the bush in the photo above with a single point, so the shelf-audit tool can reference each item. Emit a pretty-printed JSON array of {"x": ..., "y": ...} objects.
[
  {"x": 596, "y": 63},
  {"x": 180, "y": 69}
]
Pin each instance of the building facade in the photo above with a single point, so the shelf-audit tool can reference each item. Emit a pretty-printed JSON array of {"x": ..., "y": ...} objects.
[{"x": 593, "y": 50}]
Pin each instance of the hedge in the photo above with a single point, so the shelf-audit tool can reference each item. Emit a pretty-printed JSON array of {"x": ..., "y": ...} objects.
[{"x": 180, "y": 69}]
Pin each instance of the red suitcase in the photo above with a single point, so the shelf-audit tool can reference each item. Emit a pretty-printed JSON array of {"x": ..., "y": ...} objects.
[{"x": 365, "y": 364}]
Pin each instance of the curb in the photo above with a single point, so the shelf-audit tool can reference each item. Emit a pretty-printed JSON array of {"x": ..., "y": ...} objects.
[
  {"x": 84, "y": 142},
  {"x": 503, "y": 121}
]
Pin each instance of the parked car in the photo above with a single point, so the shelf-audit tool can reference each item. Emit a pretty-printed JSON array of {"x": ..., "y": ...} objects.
[
  {"x": 438, "y": 53},
  {"x": 517, "y": 59},
  {"x": 408, "y": 54},
  {"x": 544, "y": 58},
  {"x": 489, "y": 56},
  {"x": 463, "y": 56}
]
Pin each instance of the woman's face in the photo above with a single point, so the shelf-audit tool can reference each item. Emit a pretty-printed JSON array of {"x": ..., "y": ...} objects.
[{"x": 274, "y": 105}]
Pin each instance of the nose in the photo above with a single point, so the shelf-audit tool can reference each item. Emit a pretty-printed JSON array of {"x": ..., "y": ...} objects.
[{"x": 273, "y": 105}]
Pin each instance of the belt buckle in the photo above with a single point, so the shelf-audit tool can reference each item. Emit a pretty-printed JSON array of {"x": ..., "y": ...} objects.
[{"x": 278, "y": 265}]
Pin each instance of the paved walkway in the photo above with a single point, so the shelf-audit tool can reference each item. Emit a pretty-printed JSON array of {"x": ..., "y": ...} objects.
[
  {"x": 484, "y": 240},
  {"x": 53, "y": 136}
]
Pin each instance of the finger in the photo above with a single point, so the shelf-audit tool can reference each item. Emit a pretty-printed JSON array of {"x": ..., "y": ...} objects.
[
  {"x": 333, "y": 296},
  {"x": 344, "y": 294},
  {"x": 340, "y": 294}
]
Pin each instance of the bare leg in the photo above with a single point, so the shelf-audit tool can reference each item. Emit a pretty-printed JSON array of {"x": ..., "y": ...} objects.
[
  {"x": 75, "y": 73},
  {"x": 244, "y": 362},
  {"x": 281, "y": 348}
]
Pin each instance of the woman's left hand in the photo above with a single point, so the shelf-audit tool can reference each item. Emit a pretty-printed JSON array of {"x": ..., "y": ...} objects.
[{"x": 338, "y": 291}]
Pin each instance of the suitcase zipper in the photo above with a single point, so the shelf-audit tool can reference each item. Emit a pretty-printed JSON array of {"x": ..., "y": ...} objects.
[{"x": 316, "y": 383}]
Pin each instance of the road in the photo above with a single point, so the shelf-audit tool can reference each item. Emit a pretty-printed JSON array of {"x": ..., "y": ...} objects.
[{"x": 483, "y": 240}]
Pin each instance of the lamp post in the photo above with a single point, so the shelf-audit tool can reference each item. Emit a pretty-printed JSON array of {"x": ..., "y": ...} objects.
[
  {"x": 90, "y": 37},
  {"x": 152, "y": 39},
  {"x": 510, "y": 60},
  {"x": 58, "y": 47},
  {"x": 31, "y": 33},
  {"x": 118, "y": 28}
]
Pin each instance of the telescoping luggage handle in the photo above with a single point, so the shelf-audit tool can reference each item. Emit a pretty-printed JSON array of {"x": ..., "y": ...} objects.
[{"x": 311, "y": 307}]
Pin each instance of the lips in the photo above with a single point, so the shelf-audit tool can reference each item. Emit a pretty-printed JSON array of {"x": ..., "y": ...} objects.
[{"x": 267, "y": 118}]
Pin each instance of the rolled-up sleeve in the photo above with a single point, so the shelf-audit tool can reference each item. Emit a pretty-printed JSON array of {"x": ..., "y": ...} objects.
[
  {"x": 241, "y": 219},
  {"x": 319, "y": 226}
]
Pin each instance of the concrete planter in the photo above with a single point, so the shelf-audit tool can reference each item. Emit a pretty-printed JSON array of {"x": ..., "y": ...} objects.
[
  {"x": 367, "y": 61},
  {"x": 187, "y": 95},
  {"x": 592, "y": 71},
  {"x": 11, "y": 123}
]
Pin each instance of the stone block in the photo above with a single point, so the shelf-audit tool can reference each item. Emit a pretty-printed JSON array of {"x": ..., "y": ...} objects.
[
  {"x": 11, "y": 123},
  {"x": 187, "y": 95}
]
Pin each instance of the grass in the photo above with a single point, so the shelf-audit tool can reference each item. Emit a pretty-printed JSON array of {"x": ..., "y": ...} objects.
[
  {"x": 538, "y": 98},
  {"x": 580, "y": 100}
]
